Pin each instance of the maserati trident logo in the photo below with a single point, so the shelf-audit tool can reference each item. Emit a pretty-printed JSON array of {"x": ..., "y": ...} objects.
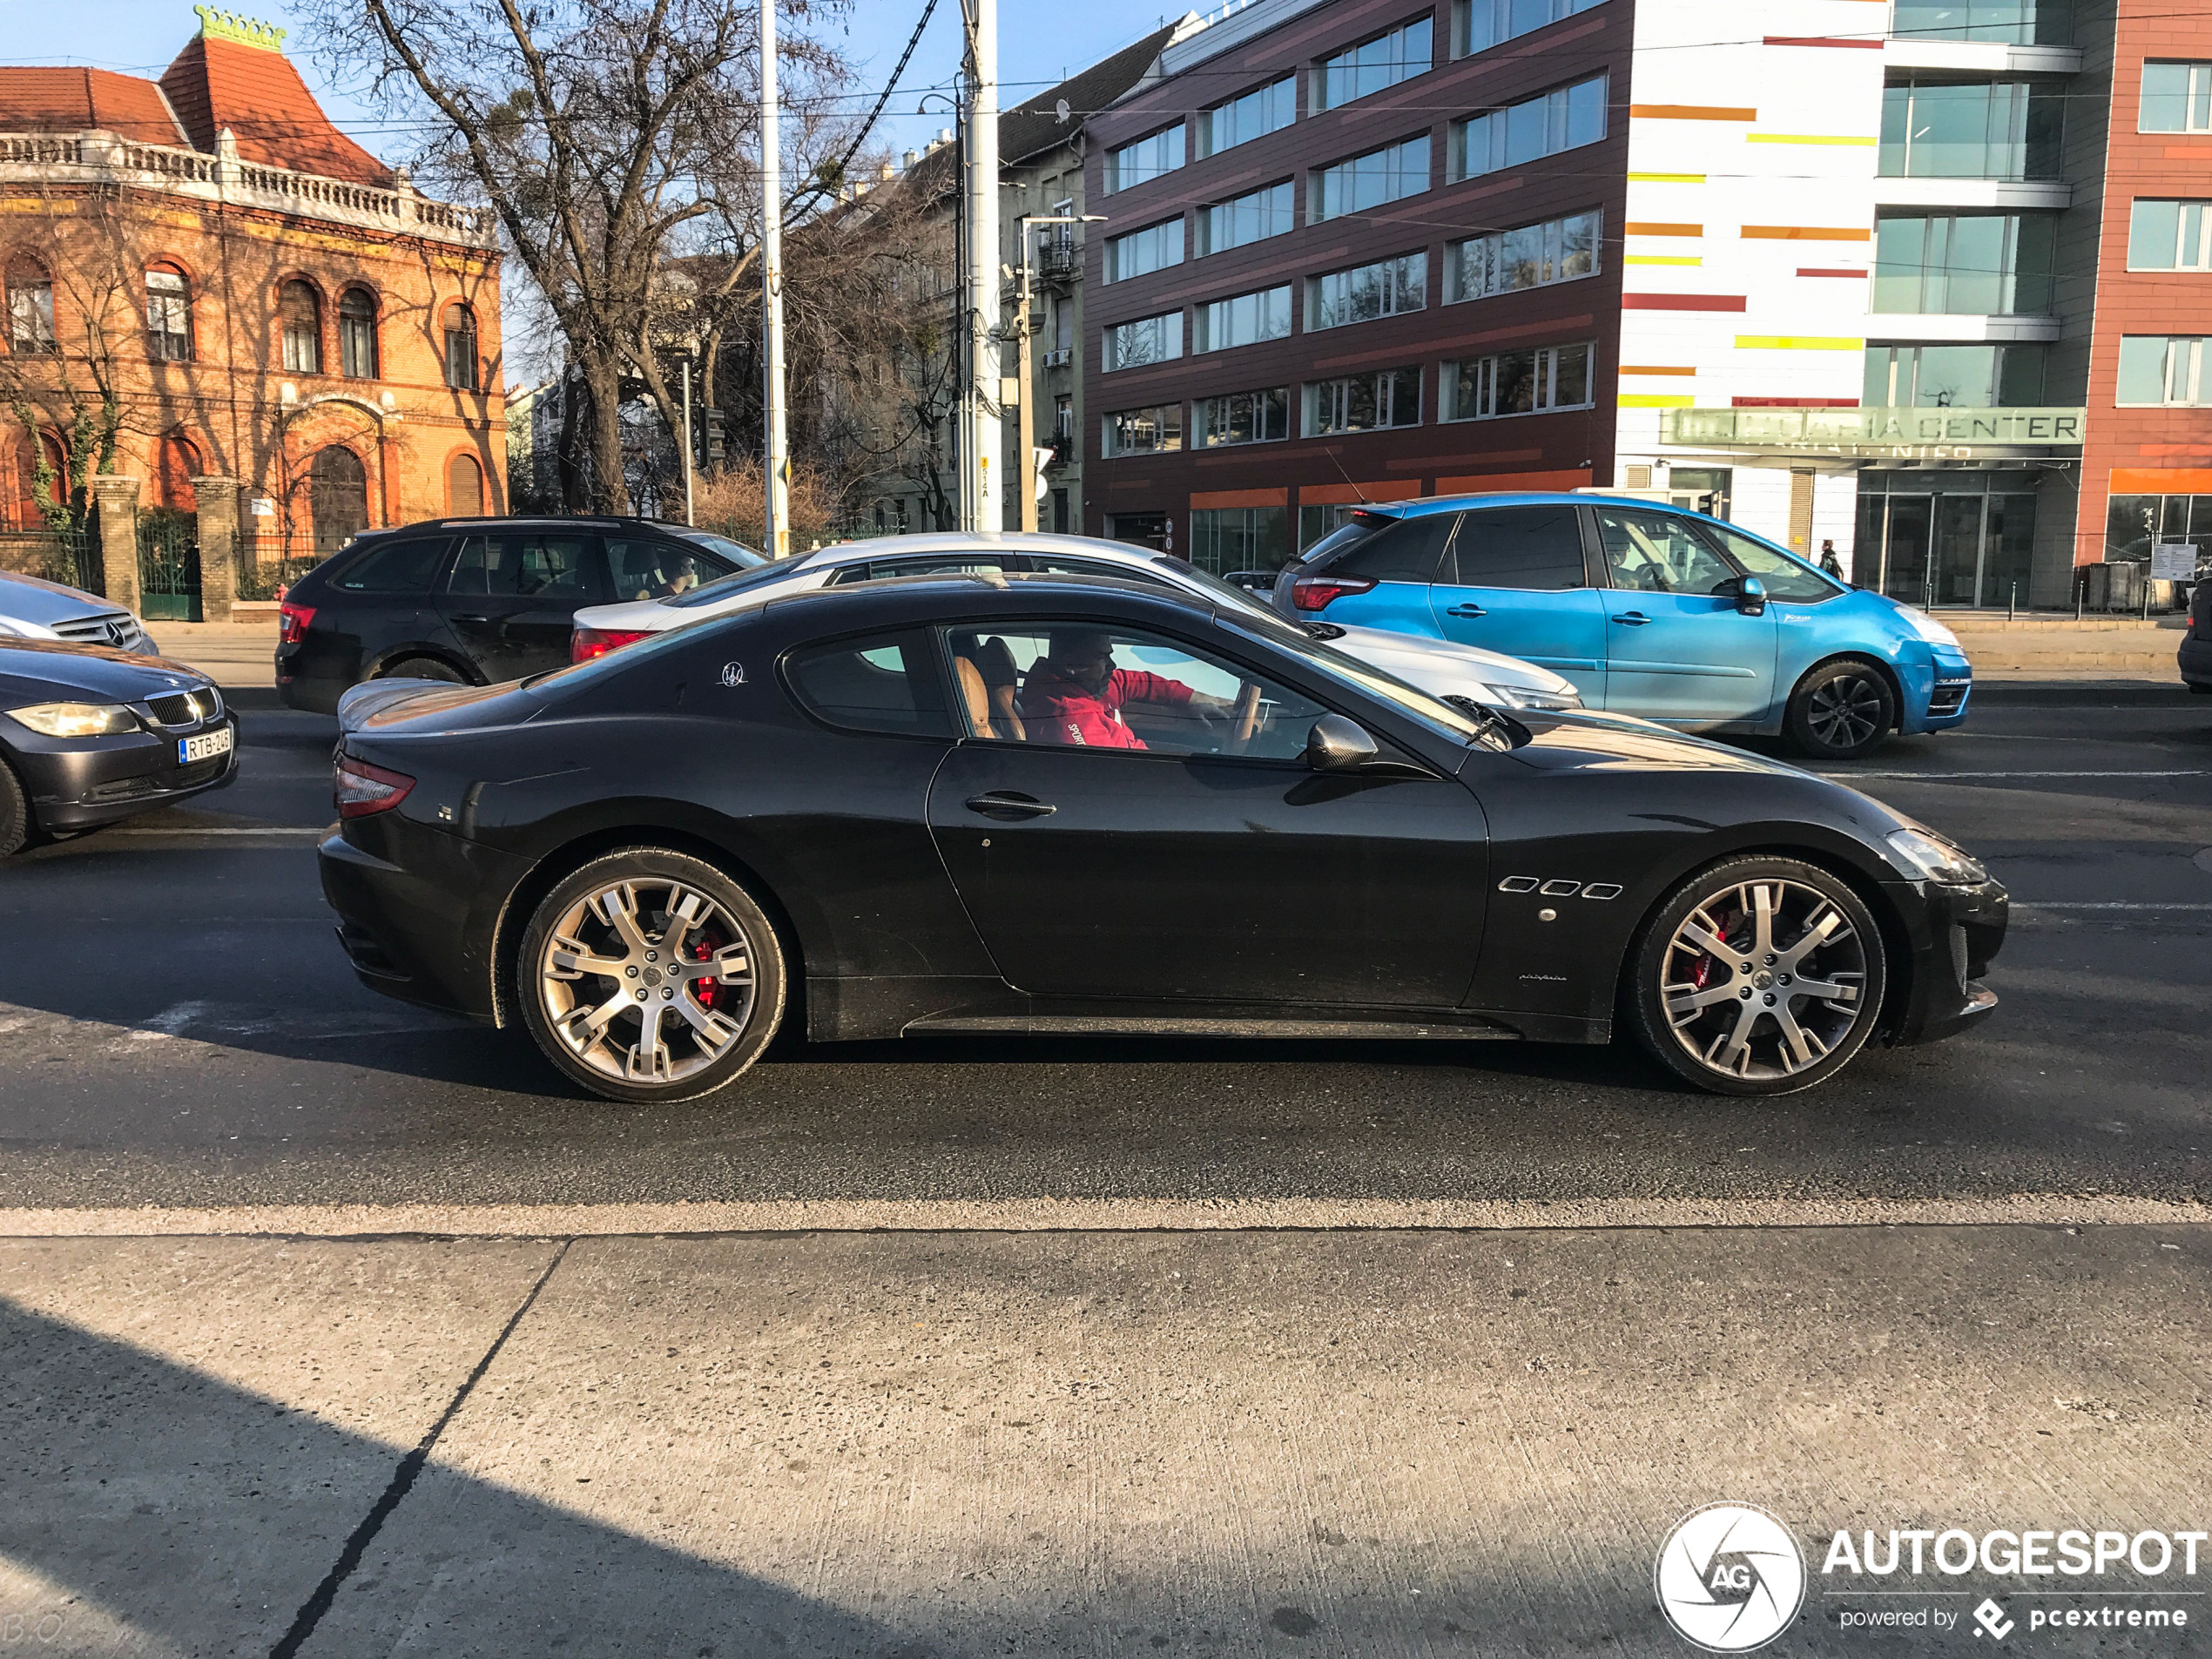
[
  {"x": 733, "y": 673},
  {"x": 1730, "y": 1578}
]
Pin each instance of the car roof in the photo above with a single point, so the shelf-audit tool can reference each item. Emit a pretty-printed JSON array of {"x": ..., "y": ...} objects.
[
  {"x": 579, "y": 521},
  {"x": 1428, "y": 504},
  {"x": 920, "y": 544},
  {"x": 945, "y": 593}
]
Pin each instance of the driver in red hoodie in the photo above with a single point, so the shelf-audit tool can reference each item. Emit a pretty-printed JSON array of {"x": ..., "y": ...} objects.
[{"x": 1074, "y": 693}]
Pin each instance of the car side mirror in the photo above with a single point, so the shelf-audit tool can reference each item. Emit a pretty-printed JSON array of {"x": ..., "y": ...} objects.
[
  {"x": 1750, "y": 597},
  {"x": 1337, "y": 745}
]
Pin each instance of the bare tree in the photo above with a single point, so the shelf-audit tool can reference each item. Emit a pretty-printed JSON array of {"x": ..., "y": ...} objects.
[{"x": 609, "y": 137}]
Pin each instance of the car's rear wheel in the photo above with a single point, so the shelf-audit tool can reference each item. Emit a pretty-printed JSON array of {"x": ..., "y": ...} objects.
[
  {"x": 649, "y": 975},
  {"x": 1841, "y": 710},
  {"x": 424, "y": 667},
  {"x": 1757, "y": 976}
]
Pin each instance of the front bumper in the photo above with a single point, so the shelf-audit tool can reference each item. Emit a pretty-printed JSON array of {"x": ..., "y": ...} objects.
[
  {"x": 2195, "y": 659},
  {"x": 82, "y": 783},
  {"x": 1953, "y": 935},
  {"x": 1936, "y": 695}
]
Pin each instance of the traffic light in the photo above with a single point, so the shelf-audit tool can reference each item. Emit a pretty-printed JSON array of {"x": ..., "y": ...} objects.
[{"x": 711, "y": 446}]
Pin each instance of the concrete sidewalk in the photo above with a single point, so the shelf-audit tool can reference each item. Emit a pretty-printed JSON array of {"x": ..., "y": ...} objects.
[{"x": 951, "y": 1444}]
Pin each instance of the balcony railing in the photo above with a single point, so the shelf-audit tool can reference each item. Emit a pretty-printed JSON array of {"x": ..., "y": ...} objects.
[
  {"x": 1060, "y": 261},
  {"x": 101, "y": 157}
]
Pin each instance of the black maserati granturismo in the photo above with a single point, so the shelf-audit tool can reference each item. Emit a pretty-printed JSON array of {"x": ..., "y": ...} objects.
[{"x": 998, "y": 804}]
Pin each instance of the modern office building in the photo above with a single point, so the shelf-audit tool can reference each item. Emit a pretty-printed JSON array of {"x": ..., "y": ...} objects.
[{"x": 1922, "y": 279}]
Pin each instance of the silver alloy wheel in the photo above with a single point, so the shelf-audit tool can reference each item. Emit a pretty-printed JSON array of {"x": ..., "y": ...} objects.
[
  {"x": 1764, "y": 979},
  {"x": 1845, "y": 711},
  {"x": 647, "y": 981}
]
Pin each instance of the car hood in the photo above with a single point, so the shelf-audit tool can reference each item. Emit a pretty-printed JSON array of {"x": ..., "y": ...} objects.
[
  {"x": 431, "y": 705},
  {"x": 1396, "y": 652},
  {"x": 34, "y": 671},
  {"x": 29, "y": 599},
  {"x": 1599, "y": 742}
]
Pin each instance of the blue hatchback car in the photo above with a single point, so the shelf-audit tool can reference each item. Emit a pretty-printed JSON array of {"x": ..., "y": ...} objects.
[{"x": 1651, "y": 611}]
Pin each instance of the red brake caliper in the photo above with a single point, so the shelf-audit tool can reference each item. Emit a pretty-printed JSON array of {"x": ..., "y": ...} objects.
[{"x": 702, "y": 988}]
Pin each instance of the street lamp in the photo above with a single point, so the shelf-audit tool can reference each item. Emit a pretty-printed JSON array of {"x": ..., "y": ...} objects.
[{"x": 1024, "y": 424}]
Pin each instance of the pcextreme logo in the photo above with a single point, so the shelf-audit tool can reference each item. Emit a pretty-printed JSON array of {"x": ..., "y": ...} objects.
[{"x": 1730, "y": 1578}]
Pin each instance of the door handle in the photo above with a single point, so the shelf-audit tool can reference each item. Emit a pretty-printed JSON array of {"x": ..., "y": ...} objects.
[
  {"x": 1466, "y": 611},
  {"x": 468, "y": 618},
  {"x": 1632, "y": 618},
  {"x": 1007, "y": 805}
]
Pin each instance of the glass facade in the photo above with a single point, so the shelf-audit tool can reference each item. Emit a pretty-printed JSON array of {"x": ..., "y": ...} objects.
[
  {"x": 2169, "y": 236},
  {"x": 1143, "y": 158},
  {"x": 1368, "y": 68},
  {"x": 1227, "y": 539},
  {"x": 1143, "y": 432},
  {"x": 1153, "y": 248},
  {"x": 1146, "y": 340},
  {"x": 1364, "y": 402},
  {"x": 1992, "y": 130},
  {"x": 1385, "y": 175},
  {"x": 1245, "y": 319},
  {"x": 1558, "y": 250},
  {"x": 1965, "y": 263},
  {"x": 1540, "y": 126},
  {"x": 1266, "y": 110},
  {"x": 2177, "y": 97},
  {"x": 2013, "y": 22},
  {"x": 1954, "y": 377},
  {"x": 1243, "y": 417},
  {"x": 1946, "y": 538},
  {"x": 2163, "y": 371},
  {"x": 1519, "y": 382},
  {"x": 1253, "y": 216},
  {"x": 1366, "y": 291},
  {"x": 1479, "y": 24},
  {"x": 2133, "y": 524}
]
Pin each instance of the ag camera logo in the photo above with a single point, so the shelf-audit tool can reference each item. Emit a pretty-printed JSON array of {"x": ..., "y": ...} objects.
[{"x": 1730, "y": 1578}]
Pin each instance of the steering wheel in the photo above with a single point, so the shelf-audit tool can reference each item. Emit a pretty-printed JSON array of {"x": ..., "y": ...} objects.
[{"x": 1246, "y": 716}]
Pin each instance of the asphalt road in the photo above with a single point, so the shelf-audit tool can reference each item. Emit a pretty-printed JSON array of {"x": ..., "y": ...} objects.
[{"x": 181, "y": 1030}]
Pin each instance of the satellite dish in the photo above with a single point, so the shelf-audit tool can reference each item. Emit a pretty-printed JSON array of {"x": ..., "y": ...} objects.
[{"x": 1060, "y": 111}]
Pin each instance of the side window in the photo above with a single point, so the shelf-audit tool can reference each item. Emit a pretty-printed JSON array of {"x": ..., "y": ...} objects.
[
  {"x": 523, "y": 565},
  {"x": 1052, "y": 564},
  {"x": 1084, "y": 687},
  {"x": 642, "y": 568},
  {"x": 1521, "y": 547},
  {"x": 1785, "y": 578},
  {"x": 1658, "y": 553},
  {"x": 397, "y": 567},
  {"x": 888, "y": 683},
  {"x": 1410, "y": 550},
  {"x": 938, "y": 564}
]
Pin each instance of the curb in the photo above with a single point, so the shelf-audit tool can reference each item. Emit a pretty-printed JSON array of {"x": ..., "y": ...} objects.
[{"x": 2081, "y": 693}]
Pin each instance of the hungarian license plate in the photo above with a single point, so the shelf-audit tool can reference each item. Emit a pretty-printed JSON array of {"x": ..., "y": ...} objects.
[{"x": 206, "y": 747}]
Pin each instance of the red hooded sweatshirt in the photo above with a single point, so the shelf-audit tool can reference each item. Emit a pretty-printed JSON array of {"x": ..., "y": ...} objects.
[{"x": 1059, "y": 710}]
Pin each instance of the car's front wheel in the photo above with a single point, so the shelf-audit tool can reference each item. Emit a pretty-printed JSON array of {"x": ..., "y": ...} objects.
[
  {"x": 649, "y": 975},
  {"x": 1757, "y": 976},
  {"x": 424, "y": 667},
  {"x": 1841, "y": 711}
]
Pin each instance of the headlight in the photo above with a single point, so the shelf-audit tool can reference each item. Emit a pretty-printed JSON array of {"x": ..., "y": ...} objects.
[
  {"x": 1928, "y": 628},
  {"x": 76, "y": 719},
  {"x": 1935, "y": 860},
  {"x": 1522, "y": 696}
]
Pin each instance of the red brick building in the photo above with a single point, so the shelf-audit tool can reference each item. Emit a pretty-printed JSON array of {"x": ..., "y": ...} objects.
[{"x": 264, "y": 313}]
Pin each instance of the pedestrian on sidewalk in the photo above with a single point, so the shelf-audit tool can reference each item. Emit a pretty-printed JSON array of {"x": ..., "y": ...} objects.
[{"x": 1829, "y": 562}]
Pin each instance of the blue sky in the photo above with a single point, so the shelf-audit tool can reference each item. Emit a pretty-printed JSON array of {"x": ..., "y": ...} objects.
[{"x": 1038, "y": 44}]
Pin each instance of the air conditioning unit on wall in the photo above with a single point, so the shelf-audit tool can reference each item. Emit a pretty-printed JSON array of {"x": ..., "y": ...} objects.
[{"x": 1059, "y": 358}]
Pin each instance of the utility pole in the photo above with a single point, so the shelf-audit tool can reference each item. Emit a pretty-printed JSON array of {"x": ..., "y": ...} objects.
[
  {"x": 688, "y": 519},
  {"x": 776, "y": 479},
  {"x": 1026, "y": 421},
  {"x": 981, "y": 436}
]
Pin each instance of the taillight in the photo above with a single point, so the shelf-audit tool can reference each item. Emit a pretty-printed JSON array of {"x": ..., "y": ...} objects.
[
  {"x": 291, "y": 622},
  {"x": 585, "y": 643},
  {"x": 362, "y": 789},
  {"x": 1318, "y": 593}
]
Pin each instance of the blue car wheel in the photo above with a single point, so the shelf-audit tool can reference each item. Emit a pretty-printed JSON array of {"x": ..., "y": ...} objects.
[{"x": 1842, "y": 709}]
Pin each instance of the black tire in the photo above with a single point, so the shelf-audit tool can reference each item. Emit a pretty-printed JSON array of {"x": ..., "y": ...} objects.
[
  {"x": 1741, "y": 1044},
  {"x": 609, "y": 1056},
  {"x": 1841, "y": 710},
  {"x": 15, "y": 823},
  {"x": 424, "y": 667}
]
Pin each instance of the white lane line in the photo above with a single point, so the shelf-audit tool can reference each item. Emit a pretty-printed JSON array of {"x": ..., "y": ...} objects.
[
  {"x": 1097, "y": 1215},
  {"x": 186, "y": 830},
  {"x": 2122, "y": 906},
  {"x": 1846, "y": 777}
]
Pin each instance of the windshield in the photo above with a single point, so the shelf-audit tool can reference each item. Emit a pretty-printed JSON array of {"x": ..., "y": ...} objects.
[
  {"x": 1440, "y": 716},
  {"x": 736, "y": 552},
  {"x": 723, "y": 587}
]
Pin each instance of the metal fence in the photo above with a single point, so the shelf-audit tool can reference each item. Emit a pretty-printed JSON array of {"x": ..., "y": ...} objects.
[
  {"x": 266, "y": 567},
  {"x": 74, "y": 560},
  {"x": 169, "y": 567}
]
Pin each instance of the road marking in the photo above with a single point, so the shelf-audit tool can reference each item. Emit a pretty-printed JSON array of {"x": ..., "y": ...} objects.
[
  {"x": 1846, "y": 777},
  {"x": 170, "y": 835},
  {"x": 1089, "y": 1215},
  {"x": 2120, "y": 906}
]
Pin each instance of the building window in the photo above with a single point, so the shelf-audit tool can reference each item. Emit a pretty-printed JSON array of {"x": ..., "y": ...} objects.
[
  {"x": 1368, "y": 68},
  {"x": 1253, "y": 216},
  {"x": 1364, "y": 402},
  {"x": 1143, "y": 432},
  {"x": 1064, "y": 420},
  {"x": 357, "y": 334},
  {"x": 1387, "y": 175},
  {"x": 2177, "y": 97},
  {"x": 299, "y": 318},
  {"x": 1558, "y": 250},
  {"x": 2001, "y": 130},
  {"x": 1243, "y": 417},
  {"x": 1519, "y": 382},
  {"x": 1953, "y": 377},
  {"x": 465, "y": 487},
  {"x": 1146, "y": 340},
  {"x": 461, "y": 348},
  {"x": 1145, "y": 158},
  {"x": 1980, "y": 264},
  {"x": 2135, "y": 524},
  {"x": 2013, "y": 23},
  {"x": 1479, "y": 24},
  {"x": 1366, "y": 291},
  {"x": 1266, "y": 110},
  {"x": 1545, "y": 125},
  {"x": 168, "y": 315},
  {"x": 2162, "y": 370},
  {"x": 1225, "y": 540},
  {"x": 2169, "y": 236},
  {"x": 31, "y": 309},
  {"x": 1245, "y": 319},
  {"x": 1153, "y": 248}
]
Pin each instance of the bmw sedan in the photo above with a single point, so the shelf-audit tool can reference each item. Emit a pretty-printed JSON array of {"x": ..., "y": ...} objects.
[
  {"x": 1442, "y": 668},
  {"x": 1649, "y": 609},
  {"x": 1036, "y": 804}
]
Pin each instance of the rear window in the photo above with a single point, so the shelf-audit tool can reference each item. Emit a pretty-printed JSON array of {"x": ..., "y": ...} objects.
[
  {"x": 759, "y": 575},
  {"x": 888, "y": 683},
  {"x": 1409, "y": 550},
  {"x": 406, "y": 566}
]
